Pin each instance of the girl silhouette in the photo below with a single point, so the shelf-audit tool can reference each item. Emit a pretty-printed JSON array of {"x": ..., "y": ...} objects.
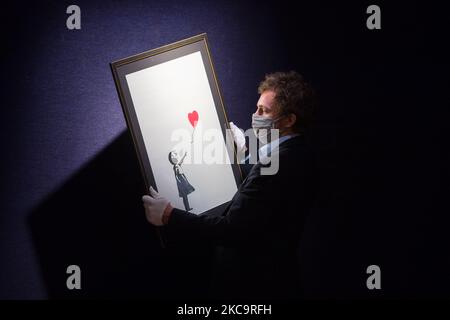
[{"x": 184, "y": 187}]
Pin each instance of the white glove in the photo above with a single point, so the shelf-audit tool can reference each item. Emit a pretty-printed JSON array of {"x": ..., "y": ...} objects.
[
  {"x": 154, "y": 205},
  {"x": 238, "y": 137}
]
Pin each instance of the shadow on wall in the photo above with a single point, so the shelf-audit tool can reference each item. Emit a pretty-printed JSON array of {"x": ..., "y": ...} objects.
[{"x": 96, "y": 221}]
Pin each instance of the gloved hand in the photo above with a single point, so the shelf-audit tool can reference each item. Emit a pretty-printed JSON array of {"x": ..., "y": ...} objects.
[
  {"x": 154, "y": 205},
  {"x": 238, "y": 137}
]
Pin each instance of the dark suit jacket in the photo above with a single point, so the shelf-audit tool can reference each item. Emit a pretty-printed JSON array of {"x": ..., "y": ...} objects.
[{"x": 257, "y": 234}]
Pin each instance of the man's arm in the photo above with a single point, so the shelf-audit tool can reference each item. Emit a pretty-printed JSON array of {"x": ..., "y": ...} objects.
[{"x": 247, "y": 216}]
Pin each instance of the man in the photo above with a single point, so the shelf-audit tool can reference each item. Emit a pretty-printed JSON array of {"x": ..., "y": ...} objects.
[{"x": 257, "y": 234}]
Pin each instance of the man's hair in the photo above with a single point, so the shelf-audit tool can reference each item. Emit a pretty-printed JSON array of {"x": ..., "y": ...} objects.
[{"x": 292, "y": 95}]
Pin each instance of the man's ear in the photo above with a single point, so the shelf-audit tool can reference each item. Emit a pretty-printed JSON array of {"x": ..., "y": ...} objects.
[{"x": 290, "y": 120}]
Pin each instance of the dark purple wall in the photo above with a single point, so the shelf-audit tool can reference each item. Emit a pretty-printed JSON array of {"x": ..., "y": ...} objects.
[{"x": 70, "y": 186}]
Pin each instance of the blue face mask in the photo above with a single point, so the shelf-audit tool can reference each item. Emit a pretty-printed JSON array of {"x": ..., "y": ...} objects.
[{"x": 266, "y": 123}]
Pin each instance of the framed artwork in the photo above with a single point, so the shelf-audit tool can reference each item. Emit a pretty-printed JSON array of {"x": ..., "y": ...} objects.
[{"x": 173, "y": 106}]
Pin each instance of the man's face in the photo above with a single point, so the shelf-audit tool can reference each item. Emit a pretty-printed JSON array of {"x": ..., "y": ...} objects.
[{"x": 266, "y": 105}]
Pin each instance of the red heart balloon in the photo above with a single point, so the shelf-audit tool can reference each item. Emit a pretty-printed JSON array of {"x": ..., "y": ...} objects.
[{"x": 193, "y": 118}]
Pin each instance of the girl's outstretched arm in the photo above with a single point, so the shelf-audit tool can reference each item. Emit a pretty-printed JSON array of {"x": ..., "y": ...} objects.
[{"x": 182, "y": 159}]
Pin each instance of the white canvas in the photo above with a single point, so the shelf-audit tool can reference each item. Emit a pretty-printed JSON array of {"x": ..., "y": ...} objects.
[{"x": 163, "y": 96}]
